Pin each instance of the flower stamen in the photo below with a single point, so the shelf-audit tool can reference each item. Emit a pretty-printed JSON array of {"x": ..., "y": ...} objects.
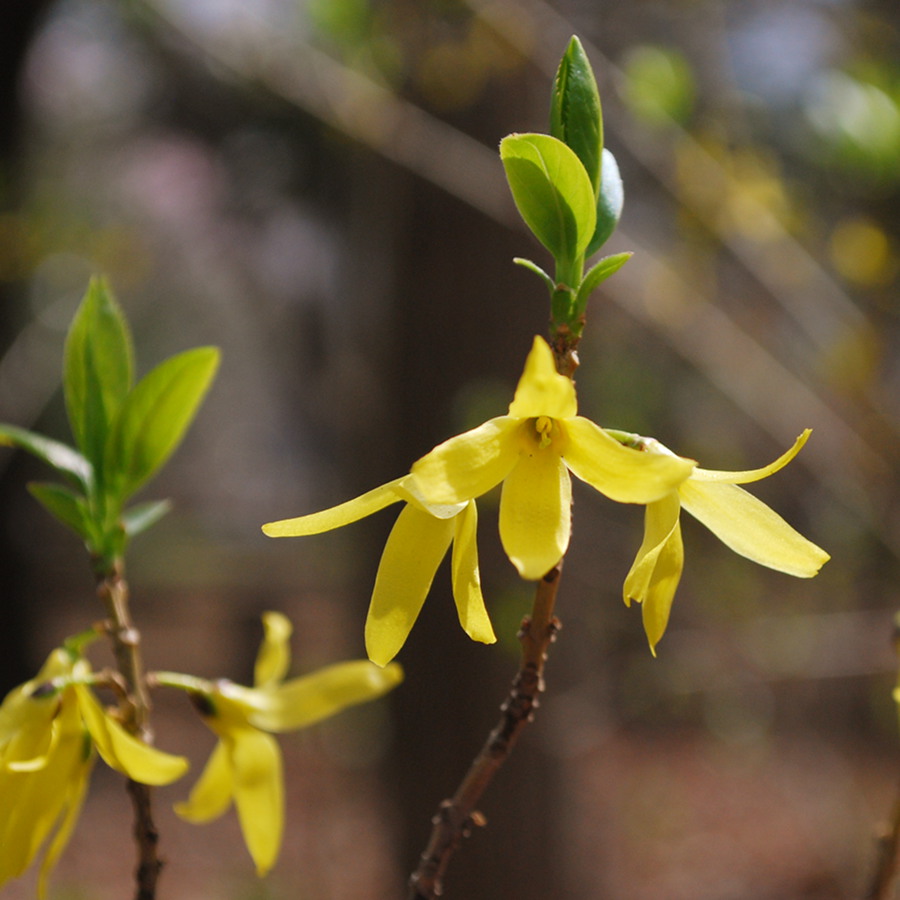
[{"x": 544, "y": 427}]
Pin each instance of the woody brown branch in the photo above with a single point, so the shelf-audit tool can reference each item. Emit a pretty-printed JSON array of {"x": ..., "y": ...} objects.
[
  {"x": 456, "y": 817},
  {"x": 112, "y": 590}
]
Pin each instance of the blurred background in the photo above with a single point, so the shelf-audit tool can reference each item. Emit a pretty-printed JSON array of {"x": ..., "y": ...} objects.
[{"x": 313, "y": 185}]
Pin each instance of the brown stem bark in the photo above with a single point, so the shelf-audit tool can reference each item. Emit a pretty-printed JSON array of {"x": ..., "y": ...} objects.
[
  {"x": 126, "y": 642},
  {"x": 455, "y": 817}
]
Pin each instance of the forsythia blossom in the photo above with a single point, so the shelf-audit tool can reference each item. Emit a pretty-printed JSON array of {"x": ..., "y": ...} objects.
[
  {"x": 50, "y": 728},
  {"x": 737, "y": 518},
  {"x": 531, "y": 450},
  {"x": 245, "y": 765}
]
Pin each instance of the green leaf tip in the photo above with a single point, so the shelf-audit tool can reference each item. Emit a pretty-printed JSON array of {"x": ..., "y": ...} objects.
[
  {"x": 98, "y": 364},
  {"x": 156, "y": 415},
  {"x": 576, "y": 116},
  {"x": 597, "y": 274},
  {"x": 64, "y": 459}
]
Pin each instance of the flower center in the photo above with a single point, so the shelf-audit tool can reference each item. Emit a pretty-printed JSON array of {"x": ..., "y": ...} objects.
[{"x": 543, "y": 425}]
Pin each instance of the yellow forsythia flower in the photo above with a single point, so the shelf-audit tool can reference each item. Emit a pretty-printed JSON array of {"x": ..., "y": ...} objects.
[
  {"x": 531, "y": 450},
  {"x": 245, "y": 765},
  {"x": 737, "y": 518},
  {"x": 49, "y": 729}
]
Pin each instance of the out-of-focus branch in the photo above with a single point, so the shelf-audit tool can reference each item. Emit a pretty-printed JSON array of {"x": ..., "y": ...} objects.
[
  {"x": 888, "y": 863},
  {"x": 113, "y": 592}
]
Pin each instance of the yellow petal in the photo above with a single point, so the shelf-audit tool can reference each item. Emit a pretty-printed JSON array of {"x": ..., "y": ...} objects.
[
  {"x": 211, "y": 795},
  {"x": 338, "y": 516},
  {"x": 258, "y": 793},
  {"x": 414, "y": 550},
  {"x": 660, "y": 521},
  {"x": 28, "y": 748},
  {"x": 466, "y": 579},
  {"x": 470, "y": 464},
  {"x": 409, "y": 490},
  {"x": 542, "y": 391},
  {"x": 623, "y": 474},
  {"x": 750, "y": 528},
  {"x": 303, "y": 701},
  {"x": 34, "y": 801},
  {"x": 73, "y": 801},
  {"x": 535, "y": 513},
  {"x": 753, "y": 474},
  {"x": 656, "y": 571},
  {"x": 20, "y": 706},
  {"x": 274, "y": 657},
  {"x": 658, "y": 603},
  {"x": 123, "y": 752}
]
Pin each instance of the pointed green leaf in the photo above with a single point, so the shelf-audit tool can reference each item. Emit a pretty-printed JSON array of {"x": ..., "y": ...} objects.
[
  {"x": 597, "y": 274},
  {"x": 575, "y": 114},
  {"x": 142, "y": 515},
  {"x": 61, "y": 457},
  {"x": 97, "y": 369},
  {"x": 610, "y": 201},
  {"x": 534, "y": 267},
  {"x": 552, "y": 192},
  {"x": 155, "y": 417},
  {"x": 65, "y": 505}
]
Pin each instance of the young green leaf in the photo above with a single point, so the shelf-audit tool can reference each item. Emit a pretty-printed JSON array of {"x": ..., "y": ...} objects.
[
  {"x": 534, "y": 267},
  {"x": 97, "y": 369},
  {"x": 575, "y": 115},
  {"x": 142, "y": 515},
  {"x": 155, "y": 416},
  {"x": 65, "y": 505},
  {"x": 552, "y": 192},
  {"x": 610, "y": 201},
  {"x": 61, "y": 457},
  {"x": 598, "y": 273}
]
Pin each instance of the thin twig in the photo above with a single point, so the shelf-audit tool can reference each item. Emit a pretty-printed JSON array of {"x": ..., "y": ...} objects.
[
  {"x": 126, "y": 642},
  {"x": 888, "y": 866},
  {"x": 455, "y": 818}
]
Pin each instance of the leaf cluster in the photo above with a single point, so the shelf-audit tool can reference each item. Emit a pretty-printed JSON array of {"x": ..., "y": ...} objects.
[
  {"x": 567, "y": 188},
  {"x": 124, "y": 431}
]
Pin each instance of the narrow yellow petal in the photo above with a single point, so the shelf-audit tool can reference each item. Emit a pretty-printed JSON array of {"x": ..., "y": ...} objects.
[
  {"x": 470, "y": 464},
  {"x": 74, "y": 794},
  {"x": 751, "y": 528},
  {"x": 542, "y": 391},
  {"x": 414, "y": 550},
  {"x": 466, "y": 579},
  {"x": 749, "y": 475},
  {"x": 258, "y": 793},
  {"x": 536, "y": 513},
  {"x": 338, "y": 516},
  {"x": 123, "y": 752},
  {"x": 657, "y": 569},
  {"x": 666, "y": 575},
  {"x": 308, "y": 699},
  {"x": 274, "y": 657},
  {"x": 211, "y": 795},
  {"x": 660, "y": 522},
  {"x": 623, "y": 474}
]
